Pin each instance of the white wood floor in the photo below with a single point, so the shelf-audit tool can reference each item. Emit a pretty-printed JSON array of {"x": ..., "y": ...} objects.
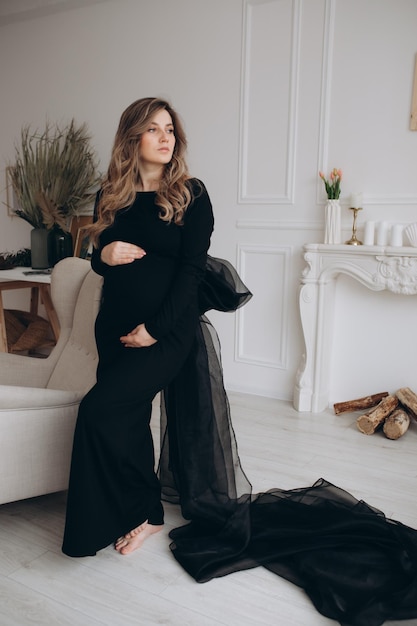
[{"x": 278, "y": 448}]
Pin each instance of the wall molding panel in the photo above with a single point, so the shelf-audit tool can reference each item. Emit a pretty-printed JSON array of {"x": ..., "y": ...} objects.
[
  {"x": 325, "y": 97},
  {"x": 249, "y": 224},
  {"x": 270, "y": 69},
  {"x": 369, "y": 199},
  {"x": 325, "y": 116},
  {"x": 261, "y": 346}
]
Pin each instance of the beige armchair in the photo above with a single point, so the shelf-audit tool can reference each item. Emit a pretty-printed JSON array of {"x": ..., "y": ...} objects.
[{"x": 39, "y": 398}]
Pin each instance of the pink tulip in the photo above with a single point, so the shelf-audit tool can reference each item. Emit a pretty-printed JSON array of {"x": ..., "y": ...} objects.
[{"x": 333, "y": 184}]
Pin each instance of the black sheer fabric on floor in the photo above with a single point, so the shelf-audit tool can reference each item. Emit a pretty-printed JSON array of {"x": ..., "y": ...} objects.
[{"x": 358, "y": 567}]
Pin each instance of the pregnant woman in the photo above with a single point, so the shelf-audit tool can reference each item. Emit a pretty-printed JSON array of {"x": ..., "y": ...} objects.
[{"x": 151, "y": 236}]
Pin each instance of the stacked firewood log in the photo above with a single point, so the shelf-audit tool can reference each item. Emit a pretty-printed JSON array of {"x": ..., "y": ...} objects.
[{"x": 391, "y": 412}]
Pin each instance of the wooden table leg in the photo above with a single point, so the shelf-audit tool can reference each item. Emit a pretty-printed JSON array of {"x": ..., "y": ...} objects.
[
  {"x": 37, "y": 290},
  {"x": 34, "y": 300},
  {"x": 3, "y": 336}
]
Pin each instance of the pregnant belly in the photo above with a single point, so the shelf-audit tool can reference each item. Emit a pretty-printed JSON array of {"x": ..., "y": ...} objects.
[{"x": 135, "y": 291}]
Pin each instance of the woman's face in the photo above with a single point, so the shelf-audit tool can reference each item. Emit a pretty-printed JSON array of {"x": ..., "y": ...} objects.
[{"x": 158, "y": 141}]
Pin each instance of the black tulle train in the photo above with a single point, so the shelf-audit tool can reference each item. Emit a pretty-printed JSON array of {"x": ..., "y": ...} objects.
[{"x": 357, "y": 566}]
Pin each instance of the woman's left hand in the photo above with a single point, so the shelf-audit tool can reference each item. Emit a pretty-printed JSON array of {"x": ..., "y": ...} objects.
[{"x": 138, "y": 338}]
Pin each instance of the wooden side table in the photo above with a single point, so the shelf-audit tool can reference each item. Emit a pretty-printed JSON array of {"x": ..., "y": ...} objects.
[{"x": 40, "y": 286}]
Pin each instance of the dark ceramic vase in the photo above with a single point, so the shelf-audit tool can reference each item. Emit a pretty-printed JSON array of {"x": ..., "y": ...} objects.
[
  {"x": 39, "y": 248},
  {"x": 59, "y": 245}
]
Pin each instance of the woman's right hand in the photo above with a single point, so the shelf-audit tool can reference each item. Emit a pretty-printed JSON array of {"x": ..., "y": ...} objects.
[{"x": 121, "y": 252}]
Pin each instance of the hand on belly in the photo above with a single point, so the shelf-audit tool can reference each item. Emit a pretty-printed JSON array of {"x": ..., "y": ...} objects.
[
  {"x": 121, "y": 252},
  {"x": 138, "y": 338}
]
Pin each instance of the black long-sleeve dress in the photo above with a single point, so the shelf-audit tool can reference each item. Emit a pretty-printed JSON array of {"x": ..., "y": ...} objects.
[{"x": 357, "y": 566}]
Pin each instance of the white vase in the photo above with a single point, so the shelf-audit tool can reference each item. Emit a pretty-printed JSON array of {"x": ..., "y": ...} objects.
[{"x": 332, "y": 222}]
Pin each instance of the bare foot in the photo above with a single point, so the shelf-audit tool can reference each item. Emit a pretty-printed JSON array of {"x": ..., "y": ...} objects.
[{"x": 134, "y": 539}]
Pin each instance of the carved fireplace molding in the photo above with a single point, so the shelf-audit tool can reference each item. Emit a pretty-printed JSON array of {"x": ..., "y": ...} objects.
[{"x": 376, "y": 267}]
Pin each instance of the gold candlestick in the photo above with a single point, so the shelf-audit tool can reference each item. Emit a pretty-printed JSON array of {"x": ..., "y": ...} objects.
[{"x": 353, "y": 241}]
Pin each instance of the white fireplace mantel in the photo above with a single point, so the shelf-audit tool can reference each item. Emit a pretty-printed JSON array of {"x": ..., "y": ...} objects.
[{"x": 377, "y": 268}]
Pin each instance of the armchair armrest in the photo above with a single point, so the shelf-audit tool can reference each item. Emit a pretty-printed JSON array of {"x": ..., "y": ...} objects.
[{"x": 36, "y": 399}]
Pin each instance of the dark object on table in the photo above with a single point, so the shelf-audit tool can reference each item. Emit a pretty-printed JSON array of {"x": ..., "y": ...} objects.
[{"x": 9, "y": 260}]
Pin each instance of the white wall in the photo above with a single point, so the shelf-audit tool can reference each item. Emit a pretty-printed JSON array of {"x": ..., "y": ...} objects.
[{"x": 270, "y": 92}]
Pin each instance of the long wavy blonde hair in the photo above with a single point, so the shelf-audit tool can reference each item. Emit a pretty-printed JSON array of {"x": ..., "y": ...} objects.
[{"x": 120, "y": 184}]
